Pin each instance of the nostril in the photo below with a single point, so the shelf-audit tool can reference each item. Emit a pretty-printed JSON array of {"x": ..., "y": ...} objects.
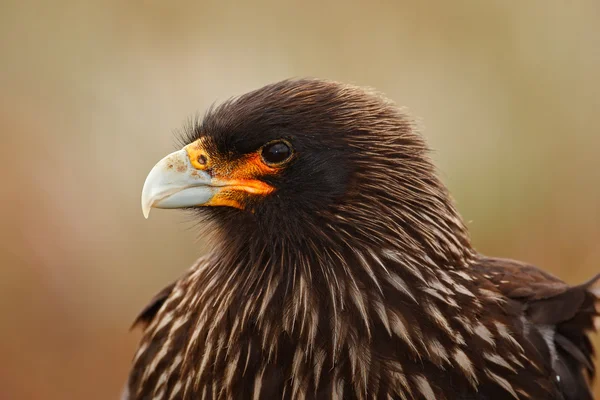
[{"x": 202, "y": 159}]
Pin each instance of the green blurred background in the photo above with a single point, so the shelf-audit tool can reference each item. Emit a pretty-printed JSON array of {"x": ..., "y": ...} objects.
[{"x": 508, "y": 94}]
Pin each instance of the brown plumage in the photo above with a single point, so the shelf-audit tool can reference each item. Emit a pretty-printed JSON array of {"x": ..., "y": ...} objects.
[{"x": 342, "y": 270}]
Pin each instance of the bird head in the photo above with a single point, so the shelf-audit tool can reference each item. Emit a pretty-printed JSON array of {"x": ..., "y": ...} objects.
[{"x": 310, "y": 161}]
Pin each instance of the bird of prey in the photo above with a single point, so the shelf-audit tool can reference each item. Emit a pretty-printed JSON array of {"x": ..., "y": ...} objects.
[{"x": 341, "y": 269}]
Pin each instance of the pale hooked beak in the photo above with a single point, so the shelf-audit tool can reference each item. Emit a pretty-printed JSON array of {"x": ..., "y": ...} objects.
[{"x": 175, "y": 183}]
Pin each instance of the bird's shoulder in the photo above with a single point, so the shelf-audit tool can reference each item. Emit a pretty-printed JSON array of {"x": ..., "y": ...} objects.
[
  {"x": 156, "y": 303},
  {"x": 561, "y": 314},
  {"x": 519, "y": 280},
  {"x": 151, "y": 309},
  {"x": 546, "y": 298}
]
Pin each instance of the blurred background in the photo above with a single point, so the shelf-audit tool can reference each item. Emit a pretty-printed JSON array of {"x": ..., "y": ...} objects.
[{"x": 508, "y": 94}]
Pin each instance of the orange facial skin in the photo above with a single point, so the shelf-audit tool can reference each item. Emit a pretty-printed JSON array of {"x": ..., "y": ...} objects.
[{"x": 237, "y": 179}]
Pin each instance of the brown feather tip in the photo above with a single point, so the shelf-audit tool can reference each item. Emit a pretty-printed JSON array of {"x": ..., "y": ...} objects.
[
  {"x": 594, "y": 290},
  {"x": 146, "y": 315}
]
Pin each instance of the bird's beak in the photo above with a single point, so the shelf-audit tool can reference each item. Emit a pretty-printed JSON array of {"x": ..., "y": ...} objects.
[
  {"x": 175, "y": 183},
  {"x": 180, "y": 180}
]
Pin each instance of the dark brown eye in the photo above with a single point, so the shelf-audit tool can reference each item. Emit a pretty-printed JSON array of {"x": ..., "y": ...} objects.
[{"x": 275, "y": 153}]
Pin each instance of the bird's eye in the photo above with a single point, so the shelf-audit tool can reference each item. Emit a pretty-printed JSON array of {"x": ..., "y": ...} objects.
[{"x": 276, "y": 153}]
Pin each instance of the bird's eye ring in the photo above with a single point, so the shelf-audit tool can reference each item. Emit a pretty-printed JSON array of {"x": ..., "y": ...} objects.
[{"x": 276, "y": 152}]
